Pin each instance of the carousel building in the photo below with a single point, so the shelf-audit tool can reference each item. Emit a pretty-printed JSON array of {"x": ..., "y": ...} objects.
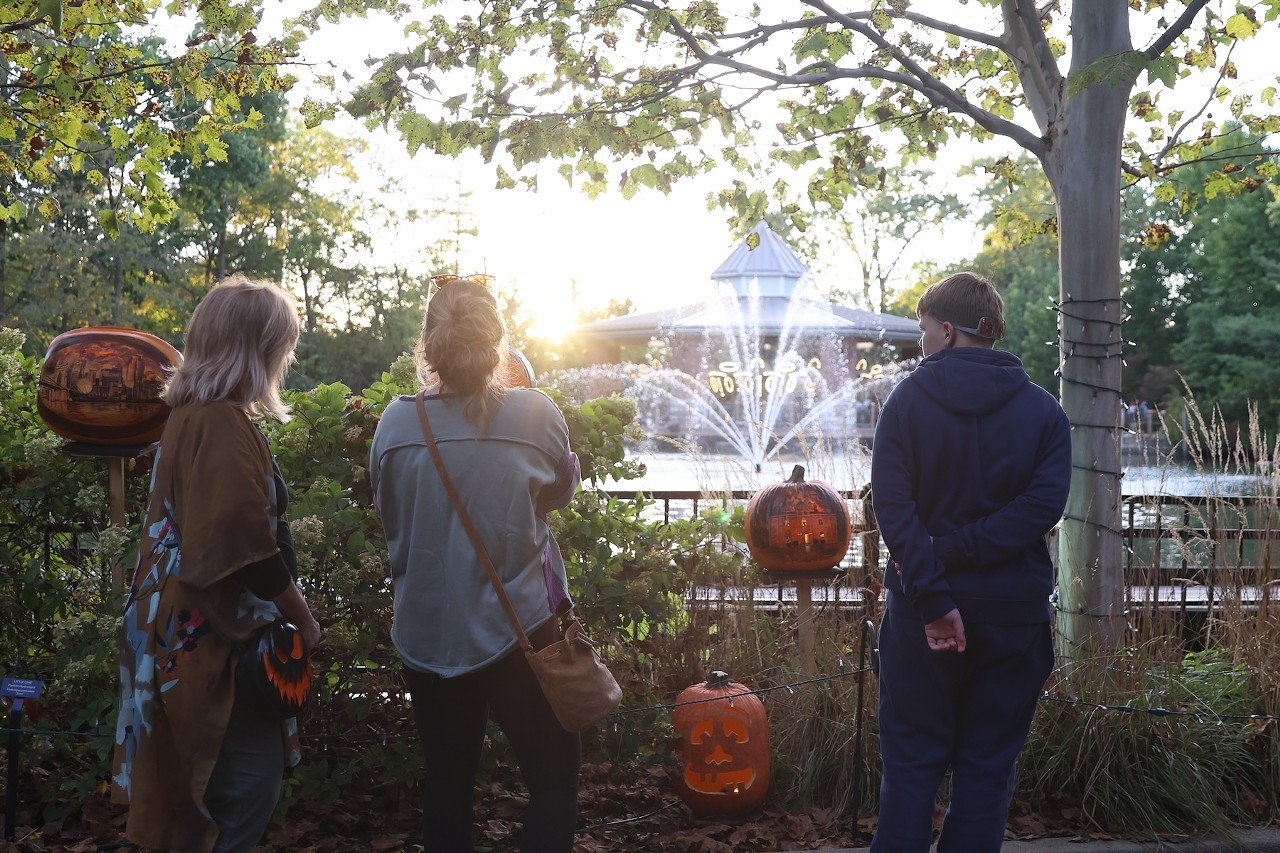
[
  {"x": 766, "y": 277},
  {"x": 766, "y": 349}
]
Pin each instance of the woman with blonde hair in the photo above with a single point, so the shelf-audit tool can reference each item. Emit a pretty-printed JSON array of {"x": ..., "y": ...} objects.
[
  {"x": 507, "y": 452},
  {"x": 199, "y": 764}
]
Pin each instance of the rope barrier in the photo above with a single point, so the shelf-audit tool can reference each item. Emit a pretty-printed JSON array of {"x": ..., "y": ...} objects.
[{"x": 1200, "y": 716}]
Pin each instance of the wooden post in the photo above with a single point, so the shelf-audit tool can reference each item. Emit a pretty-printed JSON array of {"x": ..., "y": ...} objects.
[
  {"x": 804, "y": 626},
  {"x": 115, "y": 464}
]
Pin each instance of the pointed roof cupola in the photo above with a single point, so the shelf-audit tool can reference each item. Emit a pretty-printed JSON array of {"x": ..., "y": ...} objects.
[{"x": 771, "y": 264}]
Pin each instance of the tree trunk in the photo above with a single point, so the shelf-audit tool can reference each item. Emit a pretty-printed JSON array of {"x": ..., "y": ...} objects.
[
  {"x": 308, "y": 303},
  {"x": 4, "y": 284},
  {"x": 117, "y": 283},
  {"x": 1083, "y": 166},
  {"x": 220, "y": 251}
]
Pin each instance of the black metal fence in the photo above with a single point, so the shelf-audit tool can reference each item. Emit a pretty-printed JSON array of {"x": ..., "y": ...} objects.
[{"x": 1187, "y": 552}]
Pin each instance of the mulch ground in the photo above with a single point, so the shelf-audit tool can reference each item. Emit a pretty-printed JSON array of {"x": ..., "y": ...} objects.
[{"x": 642, "y": 814}]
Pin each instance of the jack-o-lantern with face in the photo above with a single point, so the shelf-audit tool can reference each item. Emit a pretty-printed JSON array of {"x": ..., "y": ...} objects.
[{"x": 724, "y": 747}]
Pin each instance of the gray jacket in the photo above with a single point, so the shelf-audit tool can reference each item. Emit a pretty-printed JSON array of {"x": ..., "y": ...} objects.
[{"x": 447, "y": 618}]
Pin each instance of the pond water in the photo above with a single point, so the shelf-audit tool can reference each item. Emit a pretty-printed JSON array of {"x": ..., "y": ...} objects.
[{"x": 712, "y": 473}]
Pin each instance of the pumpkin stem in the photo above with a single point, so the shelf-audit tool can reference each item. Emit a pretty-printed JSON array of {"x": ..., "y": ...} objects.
[
  {"x": 718, "y": 679},
  {"x": 797, "y": 475}
]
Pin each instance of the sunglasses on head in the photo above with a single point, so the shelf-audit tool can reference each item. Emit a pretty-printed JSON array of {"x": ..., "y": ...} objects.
[{"x": 477, "y": 278}]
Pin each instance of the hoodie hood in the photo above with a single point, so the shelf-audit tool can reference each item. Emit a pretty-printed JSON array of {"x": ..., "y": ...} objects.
[{"x": 971, "y": 380}]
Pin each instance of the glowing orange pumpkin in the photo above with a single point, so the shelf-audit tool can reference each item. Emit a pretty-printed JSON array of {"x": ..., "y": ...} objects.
[
  {"x": 798, "y": 525},
  {"x": 102, "y": 384},
  {"x": 724, "y": 747}
]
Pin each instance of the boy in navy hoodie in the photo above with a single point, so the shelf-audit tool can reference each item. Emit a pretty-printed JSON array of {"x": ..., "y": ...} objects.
[{"x": 970, "y": 470}]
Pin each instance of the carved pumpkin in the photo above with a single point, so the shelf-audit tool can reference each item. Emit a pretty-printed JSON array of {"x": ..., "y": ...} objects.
[
  {"x": 798, "y": 525},
  {"x": 102, "y": 384},
  {"x": 517, "y": 372},
  {"x": 724, "y": 747}
]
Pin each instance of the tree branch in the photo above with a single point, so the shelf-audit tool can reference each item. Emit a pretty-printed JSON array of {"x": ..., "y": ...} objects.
[
  {"x": 1029, "y": 49},
  {"x": 916, "y": 78},
  {"x": 782, "y": 26},
  {"x": 1174, "y": 137},
  {"x": 1178, "y": 28},
  {"x": 20, "y": 25},
  {"x": 915, "y": 17},
  {"x": 952, "y": 29},
  {"x": 933, "y": 88}
]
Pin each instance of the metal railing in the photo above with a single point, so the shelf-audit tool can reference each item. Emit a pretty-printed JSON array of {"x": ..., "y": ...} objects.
[{"x": 1184, "y": 551}]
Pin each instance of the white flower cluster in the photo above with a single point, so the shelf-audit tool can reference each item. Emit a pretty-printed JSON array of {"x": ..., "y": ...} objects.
[
  {"x": 581, "y": 384},
  {"x": 295, "y": 439},
  {"x": 373, "y": 567},
  {"x": 42, "y": 450},
  {"x": 403, "y": 371},
  {"x": 12, "y": 339},
  {"x": 112, "y": 542},
  {"x": 10, "y": 369},
  {"x": 91, "y": 497},
  {"x": 308, "y": 540}
]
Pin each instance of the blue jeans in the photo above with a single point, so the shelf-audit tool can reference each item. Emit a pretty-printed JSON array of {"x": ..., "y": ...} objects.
[
  {"x": 245, "y": 785},
  {"x": 969, "y": 713}
]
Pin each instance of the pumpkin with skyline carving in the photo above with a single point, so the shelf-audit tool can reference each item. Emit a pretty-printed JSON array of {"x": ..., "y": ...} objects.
[
  {"x": 798, "y": 525},
  {"x": 102, "y": 384}
]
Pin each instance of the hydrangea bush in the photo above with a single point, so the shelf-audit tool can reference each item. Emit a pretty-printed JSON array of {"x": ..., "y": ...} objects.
[{"x": 59, "y": 615}]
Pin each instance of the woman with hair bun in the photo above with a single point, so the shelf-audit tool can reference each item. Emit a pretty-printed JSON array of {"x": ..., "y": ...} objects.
[
  {"x": 507, "y": 452},
  {"x": 198, "y": 762}
]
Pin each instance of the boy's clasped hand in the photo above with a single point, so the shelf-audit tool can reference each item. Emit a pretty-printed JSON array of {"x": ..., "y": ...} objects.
[{"x": 946, "y": 633}]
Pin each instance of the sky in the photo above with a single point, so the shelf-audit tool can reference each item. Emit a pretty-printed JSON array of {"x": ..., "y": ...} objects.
[{"x": 556, "y": 246}]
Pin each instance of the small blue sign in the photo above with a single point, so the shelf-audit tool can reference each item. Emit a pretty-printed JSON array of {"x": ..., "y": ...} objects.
[{"x": 21, "y": 688}]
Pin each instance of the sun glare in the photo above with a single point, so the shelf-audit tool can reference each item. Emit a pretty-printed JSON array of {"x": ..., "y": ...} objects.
[{"x": 553, "y": 321}]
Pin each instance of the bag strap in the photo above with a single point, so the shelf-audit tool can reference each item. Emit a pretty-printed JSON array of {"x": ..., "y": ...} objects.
[{"x": 465, "y": 518}]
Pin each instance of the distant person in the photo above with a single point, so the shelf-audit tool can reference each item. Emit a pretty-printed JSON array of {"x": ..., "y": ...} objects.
[
  {"x": 199, "y": 765},
  {"x": 970, "y": 470},
  {"x": 507, "y": 452}
]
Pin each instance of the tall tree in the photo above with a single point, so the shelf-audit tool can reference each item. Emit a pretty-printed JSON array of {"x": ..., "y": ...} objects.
[
  {"x": 1160, "y": 282},
  {"x": 640, "y": 81},
  {"x": 894, "y": 212},
  {"x": 227, "y": 206},
  {"x": 73, "y": 89},
  {"x": 1227, "y": 354},
  {"x": 1020, "y": 256}
]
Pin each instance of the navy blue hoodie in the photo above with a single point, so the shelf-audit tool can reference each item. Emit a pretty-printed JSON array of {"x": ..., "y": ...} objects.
[{"x": 970, "y": 470}]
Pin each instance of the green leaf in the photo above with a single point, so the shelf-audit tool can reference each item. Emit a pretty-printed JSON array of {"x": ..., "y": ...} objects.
[
  {"x": 646, "y": 174},
  {"x": 813, "y": 44},
  {"x": 52, "y": 9},
  {"x": 1117, "y": 69},
  {"x": 1164, "y": 69},
  {"x": 1241, "y": 26}
]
